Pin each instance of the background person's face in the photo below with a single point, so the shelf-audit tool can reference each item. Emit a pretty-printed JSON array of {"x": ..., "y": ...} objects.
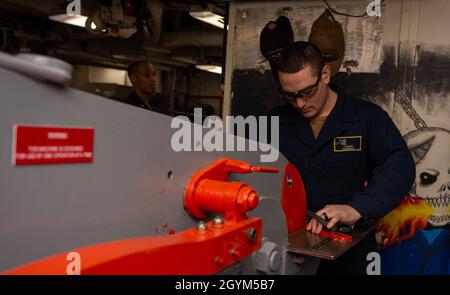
[
  {"x": 144, "y": 79},
  {"x": 310, "y": 106}
]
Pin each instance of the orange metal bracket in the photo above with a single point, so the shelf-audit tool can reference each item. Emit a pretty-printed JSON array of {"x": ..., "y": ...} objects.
[
  {"x": 207, "y": 249},
  {"x": 293, "y": 198},
  {"x": 193, "y": 251}
]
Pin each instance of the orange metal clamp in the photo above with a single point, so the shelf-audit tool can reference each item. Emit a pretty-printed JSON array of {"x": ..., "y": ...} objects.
[
  {"x": 338, "y": 237},
  {"x": 208, "y": 191}
]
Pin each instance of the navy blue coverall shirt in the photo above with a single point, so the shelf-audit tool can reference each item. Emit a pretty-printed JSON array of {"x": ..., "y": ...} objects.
[{"x": 357, "y": 143}]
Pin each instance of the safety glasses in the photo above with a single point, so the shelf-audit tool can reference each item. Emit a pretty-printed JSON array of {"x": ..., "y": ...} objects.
[{"x": 304, "y": 93}]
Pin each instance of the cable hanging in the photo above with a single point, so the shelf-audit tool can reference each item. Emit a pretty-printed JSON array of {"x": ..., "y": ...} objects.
[{"x": 345, "y": 14}]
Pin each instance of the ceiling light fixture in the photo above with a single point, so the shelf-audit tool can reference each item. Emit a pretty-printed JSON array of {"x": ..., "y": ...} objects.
[
  {"x": 77, "y": 20},
  {"x": 208, "y": 17},
  {"x": 211, "y": 14},
  {"x": 210, "y": 68}
]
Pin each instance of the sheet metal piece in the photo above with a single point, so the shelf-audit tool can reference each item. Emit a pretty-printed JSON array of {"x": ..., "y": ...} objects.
[{"x": 307, "y": 243}]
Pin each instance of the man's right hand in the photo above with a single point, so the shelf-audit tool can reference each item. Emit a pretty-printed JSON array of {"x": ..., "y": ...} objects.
[{"x": 336, "y": 213}]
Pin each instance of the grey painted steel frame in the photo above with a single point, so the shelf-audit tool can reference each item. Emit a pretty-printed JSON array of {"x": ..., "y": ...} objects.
[{"x": 124, "y": 193}]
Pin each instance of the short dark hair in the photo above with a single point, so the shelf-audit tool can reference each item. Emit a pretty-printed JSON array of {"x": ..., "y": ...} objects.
[
  {"x": 132, "y": 68},
  {"x": 299, "y": 54}
]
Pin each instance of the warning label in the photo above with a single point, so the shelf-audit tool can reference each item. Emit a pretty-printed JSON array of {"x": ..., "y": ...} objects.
[{"x": 52, "y": 145}]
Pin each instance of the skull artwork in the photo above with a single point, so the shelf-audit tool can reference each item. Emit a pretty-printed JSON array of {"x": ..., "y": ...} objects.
[{"x": 430, "y": 150}]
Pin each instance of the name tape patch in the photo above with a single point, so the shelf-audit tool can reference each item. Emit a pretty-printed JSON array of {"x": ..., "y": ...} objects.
[{"x": 347, "y": 144}]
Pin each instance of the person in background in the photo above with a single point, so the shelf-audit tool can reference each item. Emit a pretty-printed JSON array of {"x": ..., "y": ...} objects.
[{"x": 142, "y": 77}]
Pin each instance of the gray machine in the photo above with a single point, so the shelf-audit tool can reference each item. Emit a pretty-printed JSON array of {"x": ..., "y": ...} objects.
[{"x": 133, "y": 188}]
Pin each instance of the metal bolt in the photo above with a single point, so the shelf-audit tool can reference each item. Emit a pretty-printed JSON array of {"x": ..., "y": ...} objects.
[
  {"x": 268, "y": 258},
  {"x": 252, "y": 234},
  {"x": 218, "y": 221},
  {"x": 235, "y": 253},
  {"x": 201, "y": 226},
  {"x": 274, "y": 260},
  {"x": 219, "y": 260},
  {"x": 288, "y": 180}
]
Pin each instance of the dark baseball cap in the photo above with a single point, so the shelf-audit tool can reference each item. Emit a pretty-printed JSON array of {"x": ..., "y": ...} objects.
[{"x": 275, "y": 36}]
